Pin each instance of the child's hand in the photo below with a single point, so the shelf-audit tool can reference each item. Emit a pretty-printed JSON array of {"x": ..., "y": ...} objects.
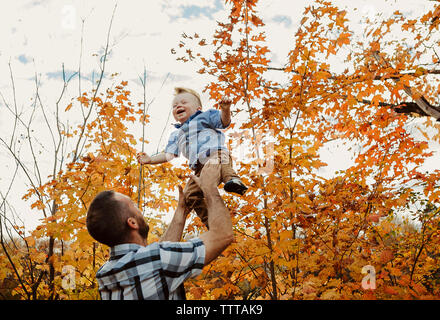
[
  {"x": 143, "y": 158},
  {"x": 225, "y": 103},
  {"x": 225, "y": 106}
]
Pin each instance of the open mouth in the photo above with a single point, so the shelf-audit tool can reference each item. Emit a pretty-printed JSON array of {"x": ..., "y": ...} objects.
[{"x": 180, "y": 111}]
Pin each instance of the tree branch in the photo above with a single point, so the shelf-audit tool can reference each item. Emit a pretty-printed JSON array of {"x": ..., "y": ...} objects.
[{"x": 421, "y": 102}]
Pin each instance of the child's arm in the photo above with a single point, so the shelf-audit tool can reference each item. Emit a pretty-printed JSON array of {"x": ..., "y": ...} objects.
[
  {"x": 162, "y": 157},
  {"x": 225, "y": 106}
]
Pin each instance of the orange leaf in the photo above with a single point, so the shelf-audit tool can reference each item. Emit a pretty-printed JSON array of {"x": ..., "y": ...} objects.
[
  {"x": 420, "y": 289},
  {"x": 373, "y": 217},
  {"x": 38, "y": 204},
  {"x": 344, "y": 38},
  {"x": 83, "y": 101},
  {"x": 390, "y": 290},
  {"x": 197, "y": 292},
  {"x": 386, "y": 256}
]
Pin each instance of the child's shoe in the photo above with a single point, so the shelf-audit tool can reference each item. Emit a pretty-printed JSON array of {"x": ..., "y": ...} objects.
[{"x": 236, "y": 186}]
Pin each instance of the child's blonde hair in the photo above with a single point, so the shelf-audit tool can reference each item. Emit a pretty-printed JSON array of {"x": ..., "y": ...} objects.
[{"x": 180, "y": 90}]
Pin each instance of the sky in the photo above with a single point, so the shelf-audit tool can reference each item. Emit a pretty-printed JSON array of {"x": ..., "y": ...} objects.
[{"x": 39, "y": 37}]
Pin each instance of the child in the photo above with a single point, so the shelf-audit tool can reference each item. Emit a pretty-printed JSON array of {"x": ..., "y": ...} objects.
[{"x": 198, "y": 139}]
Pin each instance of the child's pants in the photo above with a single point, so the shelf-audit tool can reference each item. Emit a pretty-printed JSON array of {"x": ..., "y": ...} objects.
[{"x": 193, "y": 194}]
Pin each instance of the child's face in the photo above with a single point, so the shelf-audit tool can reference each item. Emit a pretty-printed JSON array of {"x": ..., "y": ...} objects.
[{"x": 184, "y": 106}]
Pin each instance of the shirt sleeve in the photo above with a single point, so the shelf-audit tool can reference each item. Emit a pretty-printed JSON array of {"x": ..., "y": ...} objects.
[
  {"x": 173, "y": 146},
  {"x": 215, "y": 119},
  {"x": 181, "y": 260}
]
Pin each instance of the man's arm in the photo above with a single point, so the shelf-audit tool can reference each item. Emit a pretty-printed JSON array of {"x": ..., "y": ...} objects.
[
  {"x": 220, "y": 234},
  {"x": 175, "y": 229}
]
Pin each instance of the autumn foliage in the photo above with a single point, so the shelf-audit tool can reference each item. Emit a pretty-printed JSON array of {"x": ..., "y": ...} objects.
[{"x": 298, "y": 235}]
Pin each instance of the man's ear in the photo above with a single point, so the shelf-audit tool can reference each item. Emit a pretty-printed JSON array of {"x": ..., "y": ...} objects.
[{"x": 132, "y": 223}]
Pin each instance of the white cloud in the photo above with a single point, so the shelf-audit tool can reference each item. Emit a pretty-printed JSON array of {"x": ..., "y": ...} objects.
[{"x": 186, "y": 3}]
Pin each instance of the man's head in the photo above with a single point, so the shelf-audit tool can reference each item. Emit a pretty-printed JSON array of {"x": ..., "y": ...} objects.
[
  {"x": 186, "y": 102},
  {"x": 113, "y": 219}
]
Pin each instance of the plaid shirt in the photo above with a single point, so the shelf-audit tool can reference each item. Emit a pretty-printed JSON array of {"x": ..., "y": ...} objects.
[{"x": 153, "y": 272}]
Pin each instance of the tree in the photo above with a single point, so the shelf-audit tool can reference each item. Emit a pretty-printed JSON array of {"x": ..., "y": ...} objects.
[
  {"x": 300, "y": 236},
  {"x": 95, "y": 153}
]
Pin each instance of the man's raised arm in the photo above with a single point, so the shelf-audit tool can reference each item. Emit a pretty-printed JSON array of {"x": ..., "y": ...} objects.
[
  {"x": 220, "y": 234},
  {"x": 175, "y": 229}
]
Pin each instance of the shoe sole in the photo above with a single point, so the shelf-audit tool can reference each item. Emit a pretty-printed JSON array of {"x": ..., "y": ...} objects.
[{"x": 235, "y": 188}]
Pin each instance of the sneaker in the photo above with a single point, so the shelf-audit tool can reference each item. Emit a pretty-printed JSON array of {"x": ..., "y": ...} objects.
[{"x": 236, "y": 186}]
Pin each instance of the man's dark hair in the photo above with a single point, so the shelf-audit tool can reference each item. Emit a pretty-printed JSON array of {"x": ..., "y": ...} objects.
[{"x": 106, "y": 219}]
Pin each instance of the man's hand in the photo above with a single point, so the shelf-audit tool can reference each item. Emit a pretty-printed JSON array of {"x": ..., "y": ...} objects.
[
  {"x": 143, "y": 158},
  {"x": 220, "y": 234},
  {"x": 181, "y": 205},
  {"x": 209, "y": 177}
]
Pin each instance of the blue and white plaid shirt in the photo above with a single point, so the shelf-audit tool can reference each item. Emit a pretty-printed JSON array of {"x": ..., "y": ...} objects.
[
  {"x": 197, "y": 137},
  {"x": 153, "y": 272}
]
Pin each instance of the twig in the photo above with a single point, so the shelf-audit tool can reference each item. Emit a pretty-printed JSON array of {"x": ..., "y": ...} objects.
[{"x": 144, "y": 85}]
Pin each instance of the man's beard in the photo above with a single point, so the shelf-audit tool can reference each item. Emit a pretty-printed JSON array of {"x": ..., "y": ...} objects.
[{"x": 143, "y": 228}]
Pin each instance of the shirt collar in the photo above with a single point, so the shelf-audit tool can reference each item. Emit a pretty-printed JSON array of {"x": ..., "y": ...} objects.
[
  {"x": 120, "y": 250},
  {"x": 178, "y": 125}
]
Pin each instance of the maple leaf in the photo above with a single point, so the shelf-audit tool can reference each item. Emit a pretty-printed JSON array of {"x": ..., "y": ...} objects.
[
  {"x": 344, "y": 38},
  {"x": 390, "y": 290},
  {"x": 373, "y": 217},
  {"x": 84, "y": 100}
]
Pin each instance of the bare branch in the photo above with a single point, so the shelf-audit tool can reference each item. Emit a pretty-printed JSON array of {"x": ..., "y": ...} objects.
[
  {"x": 15, "y": 103},
  {"x": 26, "y": 171},
  {"x": 77, "y": 150},
  {"x": 421, "y": 102},
  {"x": 144, "y": 85}
]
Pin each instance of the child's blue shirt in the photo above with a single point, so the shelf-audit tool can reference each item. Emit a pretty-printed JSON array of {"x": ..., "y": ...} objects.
[{"x": 197, "y": 137}]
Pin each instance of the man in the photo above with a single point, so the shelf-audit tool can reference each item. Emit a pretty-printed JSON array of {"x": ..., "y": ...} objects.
[{"x": 136, "y": 270}]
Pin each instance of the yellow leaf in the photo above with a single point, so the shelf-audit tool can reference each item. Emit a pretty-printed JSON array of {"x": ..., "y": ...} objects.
[
  {"x": 419, "y": 71},
  {"x": 395, "y": 272},
  {"x": 30, "y": 241},
  {"x": 331, "y": 294}
]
